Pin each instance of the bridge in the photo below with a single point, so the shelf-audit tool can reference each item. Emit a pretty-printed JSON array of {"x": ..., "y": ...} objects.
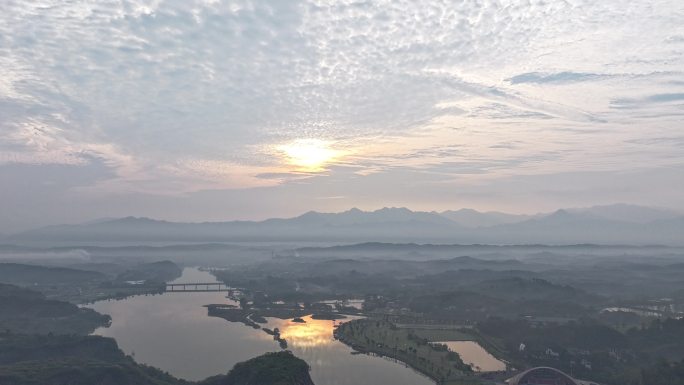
[{"x": 196, "y": 287}]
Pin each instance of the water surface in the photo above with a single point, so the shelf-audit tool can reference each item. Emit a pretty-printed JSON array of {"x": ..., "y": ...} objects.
[
  {"x": 475, "y": 355},
  {"x": 172, "y": 332}
]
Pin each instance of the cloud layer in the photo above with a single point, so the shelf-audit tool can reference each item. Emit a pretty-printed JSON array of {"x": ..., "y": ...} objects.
[{"x": 173, "y": 97}]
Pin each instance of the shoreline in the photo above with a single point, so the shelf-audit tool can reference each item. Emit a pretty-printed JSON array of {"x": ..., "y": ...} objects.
[
  {"x": 379, "y": 351},
  {"x": 357, "y": 349}
]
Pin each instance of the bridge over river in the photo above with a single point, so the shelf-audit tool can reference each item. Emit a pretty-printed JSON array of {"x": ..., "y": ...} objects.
[{"x": 195, "y": 287}]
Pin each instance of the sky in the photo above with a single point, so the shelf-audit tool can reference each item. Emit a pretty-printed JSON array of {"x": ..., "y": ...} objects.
[{"x": 201, "y": 110}]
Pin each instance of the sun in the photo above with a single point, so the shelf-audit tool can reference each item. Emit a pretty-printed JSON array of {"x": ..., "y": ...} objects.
[{"x": 309, "y": 155}]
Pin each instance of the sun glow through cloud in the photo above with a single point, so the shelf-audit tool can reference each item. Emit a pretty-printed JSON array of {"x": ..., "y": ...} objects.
[
  {"x": 311, "y": 155},
  {"x": 346, "y": 103}
]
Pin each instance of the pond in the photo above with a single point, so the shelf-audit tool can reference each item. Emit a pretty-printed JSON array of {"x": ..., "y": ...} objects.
[{"x": 475, "y": 355}]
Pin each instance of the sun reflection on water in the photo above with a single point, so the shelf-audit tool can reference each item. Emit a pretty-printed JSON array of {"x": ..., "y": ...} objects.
[{"x": 312, "y": 333}]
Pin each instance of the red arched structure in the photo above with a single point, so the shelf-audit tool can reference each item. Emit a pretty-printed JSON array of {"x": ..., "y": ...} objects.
[{"x": 542, "y": 376}]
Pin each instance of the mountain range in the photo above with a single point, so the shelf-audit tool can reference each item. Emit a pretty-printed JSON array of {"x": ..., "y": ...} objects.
[{"x": 613, "y": 224}]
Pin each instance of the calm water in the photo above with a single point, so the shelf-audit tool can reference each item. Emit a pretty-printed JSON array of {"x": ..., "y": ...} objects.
[
  {"x": 475, "y": 355},
  {"x": 173, "y": 332}
]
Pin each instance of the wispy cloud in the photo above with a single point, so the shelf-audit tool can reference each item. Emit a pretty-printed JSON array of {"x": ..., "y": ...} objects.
[
  {"x": 559, "y": 77},
  {"x": 647, "y": 100}
]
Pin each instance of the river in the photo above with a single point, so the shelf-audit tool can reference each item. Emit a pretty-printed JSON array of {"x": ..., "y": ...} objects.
[{"x": 172, "y": 331}]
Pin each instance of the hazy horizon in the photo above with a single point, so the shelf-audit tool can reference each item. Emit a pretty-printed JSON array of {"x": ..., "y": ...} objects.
[
  {"x": 599, "y": 225},
  {"x": 522, "y": 215}
]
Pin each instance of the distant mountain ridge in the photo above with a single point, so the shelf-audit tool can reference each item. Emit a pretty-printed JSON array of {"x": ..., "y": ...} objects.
[
  {"x": 355, "y": 216},
  {"x": 614, "y": 224},
  {"x": 628, "y": 213},
  {"x": 474, "y": 218}
]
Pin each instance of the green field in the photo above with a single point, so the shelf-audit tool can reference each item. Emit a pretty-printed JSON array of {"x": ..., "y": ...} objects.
[
  {"x": 444, "y": 334},
  {"x": 384, "y": 338}
]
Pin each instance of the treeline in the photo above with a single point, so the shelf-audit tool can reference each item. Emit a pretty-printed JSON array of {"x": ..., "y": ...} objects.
[
  {"x": 26, "y": 311},
  {"x": 594, "y": 351}
]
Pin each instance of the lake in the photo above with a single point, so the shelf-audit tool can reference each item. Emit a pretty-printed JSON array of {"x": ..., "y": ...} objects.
[{"x": 172, "y": 332}]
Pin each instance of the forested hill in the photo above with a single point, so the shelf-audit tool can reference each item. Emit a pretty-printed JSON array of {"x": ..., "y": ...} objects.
[
  {"x": 45, "y": 342},
  {"x": 27, "y": 311},
  {"x": 280, "y": 368},
  {"x": 94, "y": 360}
]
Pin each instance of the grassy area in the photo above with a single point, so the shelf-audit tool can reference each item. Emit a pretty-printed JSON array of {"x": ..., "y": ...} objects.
[
  {"x": 384, "y": 338},
  {"x": 435, "y": 335}
]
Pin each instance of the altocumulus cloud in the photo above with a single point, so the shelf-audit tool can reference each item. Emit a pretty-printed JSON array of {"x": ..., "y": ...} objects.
[{"x": 178, "y": 96}]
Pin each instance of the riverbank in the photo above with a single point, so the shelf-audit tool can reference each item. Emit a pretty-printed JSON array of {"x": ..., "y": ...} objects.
[
  {"x": 462, "y": 333},
  {"x": 253, "y": 316},
  {"x": 385, "y": 339},
  {"x": 92, "y": 282},
  {"x": 154, "y": 327},
  {"x": 86, "y": 360}
]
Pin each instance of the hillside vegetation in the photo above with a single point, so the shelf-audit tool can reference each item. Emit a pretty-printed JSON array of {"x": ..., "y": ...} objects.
[{"x": 45, "y": 342}]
